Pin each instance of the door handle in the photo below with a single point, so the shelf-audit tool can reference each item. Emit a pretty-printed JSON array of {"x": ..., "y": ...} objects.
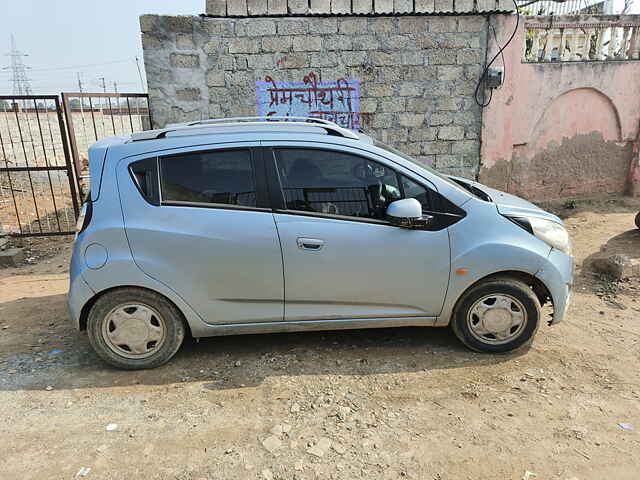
[{"x": 313, "y": 244}]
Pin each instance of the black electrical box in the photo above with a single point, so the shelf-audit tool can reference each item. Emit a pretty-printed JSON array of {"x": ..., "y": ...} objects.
[{"x": 494, "y": 77}]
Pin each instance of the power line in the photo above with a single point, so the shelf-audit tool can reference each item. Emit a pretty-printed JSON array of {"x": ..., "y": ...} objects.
[
  {"x": 19, "y": 79},
  {"x": 75, "y": 67},
  {"x": 41, "y": 79},
  {"x": 140, "y": 74},
  {"x": 88, "y": 65}
]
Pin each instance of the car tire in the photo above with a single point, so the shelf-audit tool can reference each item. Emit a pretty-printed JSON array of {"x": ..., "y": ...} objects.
[
  {"x": 134, "y": 328},
  {"x": 638, "y": 219},
  {"x": 484, "y": 309}
]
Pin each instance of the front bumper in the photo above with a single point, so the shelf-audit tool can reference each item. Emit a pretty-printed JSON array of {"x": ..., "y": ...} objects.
[{"x": 557, "y": 274}]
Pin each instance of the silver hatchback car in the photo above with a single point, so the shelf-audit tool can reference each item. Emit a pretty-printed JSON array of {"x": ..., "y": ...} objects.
[{"x": 233, "y": 226}]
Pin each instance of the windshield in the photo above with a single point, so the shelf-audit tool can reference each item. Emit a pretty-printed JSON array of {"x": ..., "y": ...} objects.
[
  {"x": 384, "y": 146},
  {"x": 456, "y": 182}
]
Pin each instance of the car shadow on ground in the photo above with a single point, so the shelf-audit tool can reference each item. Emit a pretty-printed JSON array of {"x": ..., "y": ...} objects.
[{"x": 40, "y": 349}]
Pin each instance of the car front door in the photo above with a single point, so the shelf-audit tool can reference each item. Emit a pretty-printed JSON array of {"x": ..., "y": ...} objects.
[
  {"x": 199, "y": 222},
  {"x": 342, "y": 259}
]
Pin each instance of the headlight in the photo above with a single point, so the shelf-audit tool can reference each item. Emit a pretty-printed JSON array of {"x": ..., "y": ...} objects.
[{"x": 552, "y": 233}]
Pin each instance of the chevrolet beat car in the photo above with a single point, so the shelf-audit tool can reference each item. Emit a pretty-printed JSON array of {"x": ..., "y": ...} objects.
[{"x": 234, "y": 226}]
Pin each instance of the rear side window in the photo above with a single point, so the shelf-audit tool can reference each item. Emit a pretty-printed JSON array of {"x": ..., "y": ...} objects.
[
  {"x": 223, "y": 177},
  {"x": 145, "y": 176}
]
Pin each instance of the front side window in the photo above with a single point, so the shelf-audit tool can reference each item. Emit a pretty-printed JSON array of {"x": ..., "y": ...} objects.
[
  {"x": 336, "y": 183},
  {"x": 221, "y": 177},
  {"x": 412, "y": 189}
]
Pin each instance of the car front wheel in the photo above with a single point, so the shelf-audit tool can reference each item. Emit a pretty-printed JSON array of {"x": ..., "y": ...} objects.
[
  {"x": 497, "y": 315},
  {"x": 134, "y": 328}
]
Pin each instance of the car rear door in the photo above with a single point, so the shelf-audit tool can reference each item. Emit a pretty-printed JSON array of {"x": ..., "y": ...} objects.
[
  {"x": 198, "y": 220},
  {"x": 342, "y": 260}
]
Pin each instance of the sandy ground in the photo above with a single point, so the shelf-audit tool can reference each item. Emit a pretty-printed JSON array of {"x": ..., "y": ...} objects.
[{"x": 396, "y": 403}]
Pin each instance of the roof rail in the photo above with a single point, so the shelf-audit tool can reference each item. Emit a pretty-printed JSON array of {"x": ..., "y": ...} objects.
[
  {"x": 331, "y": 127},
  {"x": 264, "y": 119}
]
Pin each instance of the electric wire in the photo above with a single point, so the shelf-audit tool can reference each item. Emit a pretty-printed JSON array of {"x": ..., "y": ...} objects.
[{"x": 483, "y": 78}]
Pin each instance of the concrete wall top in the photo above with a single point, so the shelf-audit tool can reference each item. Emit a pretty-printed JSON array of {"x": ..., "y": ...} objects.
[{"x": 261, "y": 8}]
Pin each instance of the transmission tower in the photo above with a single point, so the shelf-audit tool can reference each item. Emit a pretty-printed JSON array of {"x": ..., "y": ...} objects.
[{"x": 20, "y": 81}]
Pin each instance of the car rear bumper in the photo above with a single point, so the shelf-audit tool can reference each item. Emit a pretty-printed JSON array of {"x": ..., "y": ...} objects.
[
  {"x": 79, "y": 294},
  {"x": 557, "y": 275}
]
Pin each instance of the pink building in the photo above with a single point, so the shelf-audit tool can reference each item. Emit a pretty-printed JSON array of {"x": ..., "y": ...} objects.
[{"x": 569, "y": 127}]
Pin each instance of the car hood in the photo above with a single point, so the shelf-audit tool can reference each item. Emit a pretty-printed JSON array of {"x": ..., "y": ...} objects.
[{"x": 510, "y": 205}]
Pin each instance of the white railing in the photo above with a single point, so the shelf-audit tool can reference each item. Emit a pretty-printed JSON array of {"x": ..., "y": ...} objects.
[
  {"x": 567, "y": 7},
  {"x": 581, "y": 38}
]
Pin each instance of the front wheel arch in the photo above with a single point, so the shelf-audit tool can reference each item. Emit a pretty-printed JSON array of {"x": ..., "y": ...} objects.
[
  {"x": 538, "y": 287},
  {"x": 486, "y": 338}
]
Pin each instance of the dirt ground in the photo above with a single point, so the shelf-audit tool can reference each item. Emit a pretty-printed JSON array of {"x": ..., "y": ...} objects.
[{"x": 395, "y": 403}]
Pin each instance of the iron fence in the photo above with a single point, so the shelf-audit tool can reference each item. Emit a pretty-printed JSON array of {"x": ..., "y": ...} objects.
[
  {"x": 44, "y": 145},
  {"x": 94, "y": 116},
  {"x": 349, "y": 201},
  {"x": 37, "y": 186}
]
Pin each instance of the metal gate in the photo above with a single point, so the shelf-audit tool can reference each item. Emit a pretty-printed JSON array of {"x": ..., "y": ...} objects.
[
  {"x": 38, "y": 194},
  {"x": 93, "y": 116},
  {"x": 44, "y": 146}
]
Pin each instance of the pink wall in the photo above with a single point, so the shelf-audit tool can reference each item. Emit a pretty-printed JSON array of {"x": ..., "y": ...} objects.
[{"x": 558, "y": 130}]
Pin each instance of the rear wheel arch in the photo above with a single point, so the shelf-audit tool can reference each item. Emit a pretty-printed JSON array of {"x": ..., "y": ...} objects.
[{"x": 86, "y": 309}]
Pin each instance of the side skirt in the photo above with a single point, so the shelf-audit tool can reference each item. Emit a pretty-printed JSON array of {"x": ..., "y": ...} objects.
[{"x": 311, "y": 325}]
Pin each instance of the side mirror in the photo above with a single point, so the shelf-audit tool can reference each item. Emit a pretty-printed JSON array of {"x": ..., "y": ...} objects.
[{"x": 407, "y": 213}]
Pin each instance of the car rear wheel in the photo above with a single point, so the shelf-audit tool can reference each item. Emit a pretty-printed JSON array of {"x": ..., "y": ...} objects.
[
  {"x": 638, "y": 219},
  {"x": 497, "y": 315},
  {"x": 134, "y": 328}
]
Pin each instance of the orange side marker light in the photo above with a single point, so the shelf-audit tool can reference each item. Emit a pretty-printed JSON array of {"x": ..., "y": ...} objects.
[{"x": 462, "y": 271}]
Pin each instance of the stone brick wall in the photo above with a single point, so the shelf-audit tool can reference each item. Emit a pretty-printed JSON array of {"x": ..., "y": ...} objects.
[{"x": 417, "y": 73}]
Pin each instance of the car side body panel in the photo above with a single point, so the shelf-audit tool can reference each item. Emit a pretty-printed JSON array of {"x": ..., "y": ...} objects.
[
  {"x": 355, "y": 275},
  {"x": 485, "y": 243},
  {"x": 107, "y": 230},
  {"x": 226, "y": 263},
  {"x": 362, "y": 269}
]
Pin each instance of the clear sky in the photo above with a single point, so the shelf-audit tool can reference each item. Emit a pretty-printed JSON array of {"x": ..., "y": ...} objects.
[{"x": 97, "y": 38}]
